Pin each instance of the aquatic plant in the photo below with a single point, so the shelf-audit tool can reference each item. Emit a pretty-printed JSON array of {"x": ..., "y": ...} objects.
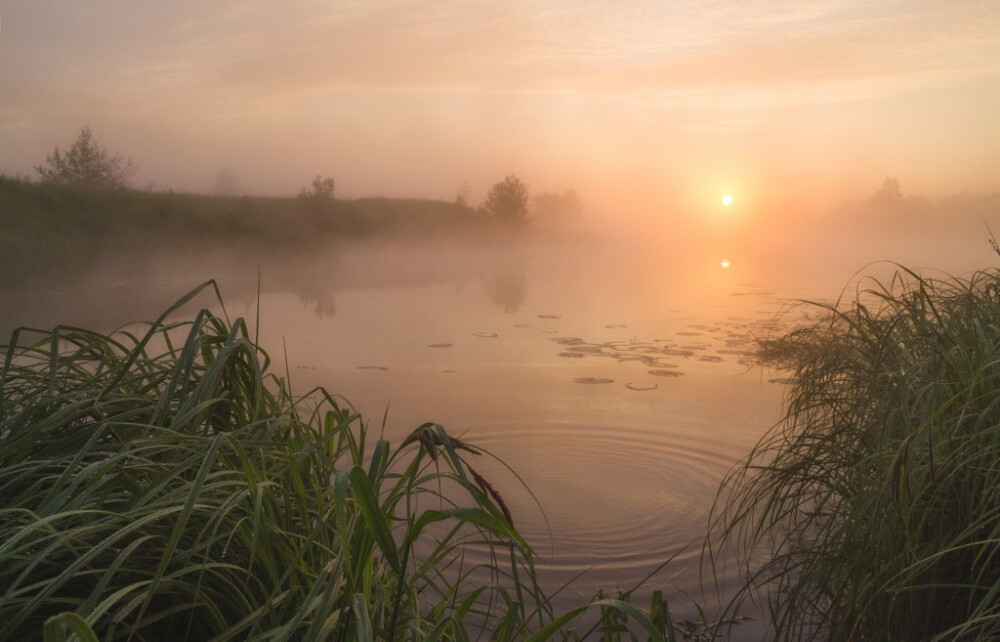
[
  {"x": 158, "y": 483},
  {"x": 162, "y": 485},
  {"x": 872, "y": 510}
]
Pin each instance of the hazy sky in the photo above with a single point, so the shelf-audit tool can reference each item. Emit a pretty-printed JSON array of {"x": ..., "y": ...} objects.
[{"x": 648, "y": 103}]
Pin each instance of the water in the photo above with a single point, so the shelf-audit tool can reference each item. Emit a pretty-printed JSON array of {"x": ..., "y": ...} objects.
[
  {"x": 618, "y": 392},
  {"x": 611, "y": 377}
]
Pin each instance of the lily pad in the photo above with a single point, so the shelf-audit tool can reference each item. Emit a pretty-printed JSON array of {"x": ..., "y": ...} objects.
[
  {"x": 586, "y": 349},
  {"x": 440, "y": 345},
  {"x": 666, "y": 373},
  {"x": 593, "y": 380}
]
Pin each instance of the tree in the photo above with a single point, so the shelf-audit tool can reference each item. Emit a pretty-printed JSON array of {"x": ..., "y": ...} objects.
[
  {"x": 508, "y": 200},
  {"x": 889, "y": 194},
  {"x": 322, "y": 190},
  {"x": 87, "y": 164},
  {"x": 556, "y": 208}
]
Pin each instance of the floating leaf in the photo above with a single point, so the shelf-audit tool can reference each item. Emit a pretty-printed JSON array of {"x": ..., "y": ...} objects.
[{"x": 586, "y": 349}]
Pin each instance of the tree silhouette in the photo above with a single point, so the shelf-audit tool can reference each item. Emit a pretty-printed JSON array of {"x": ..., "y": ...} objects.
[
  {"x": 322, "y": 189},
  {"x": 86, "y": 164},
  {"x": 508, "y": 200},
  {"x": 889, "y": 194}
]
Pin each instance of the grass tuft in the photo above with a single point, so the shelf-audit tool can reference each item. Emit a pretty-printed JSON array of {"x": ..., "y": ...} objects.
[
  {"x": 872, "y": 511},
  {"x": 163, "y": 485},
  {"x": 158, "y": 483}
]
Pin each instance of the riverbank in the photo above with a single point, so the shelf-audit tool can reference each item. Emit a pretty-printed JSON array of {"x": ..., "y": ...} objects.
[
  {"x": 161, "y": 482},
  {"x": 872, "y": 510},
  {"x": 45, "y": 227}
]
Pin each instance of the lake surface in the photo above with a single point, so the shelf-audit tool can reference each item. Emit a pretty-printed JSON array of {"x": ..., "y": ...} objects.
[
  {"x": 612, "y": 377},
  {"x": 619, "y": 395}
]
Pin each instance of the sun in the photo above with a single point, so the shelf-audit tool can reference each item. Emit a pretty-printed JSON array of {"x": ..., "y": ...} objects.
[
  {"x": 727, "y": 200},
  {"x": 725, "y": 263}
]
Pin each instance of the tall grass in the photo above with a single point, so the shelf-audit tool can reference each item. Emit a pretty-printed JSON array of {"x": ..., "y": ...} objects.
[
  {"x": 872, "y": 511},
  {"x": 162, "y": 485}
]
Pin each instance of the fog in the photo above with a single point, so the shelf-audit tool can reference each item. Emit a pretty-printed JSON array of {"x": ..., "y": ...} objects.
[
  {"x": 731, "y": 159},
  {"x": 649, "y": 109},
  {"x": 815, "y": 255},
  {"x": 604, "y": 359}
]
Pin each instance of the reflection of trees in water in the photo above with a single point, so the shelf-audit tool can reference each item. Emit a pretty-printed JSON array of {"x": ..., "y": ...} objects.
[
  {"x": 323, "y": 303},
  {"x": 507, "y": 291}
]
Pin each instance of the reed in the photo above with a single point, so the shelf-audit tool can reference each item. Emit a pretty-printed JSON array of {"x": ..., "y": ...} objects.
[
  {"x": 158, "y": 483},
  {"x": 872, "y": 510}
]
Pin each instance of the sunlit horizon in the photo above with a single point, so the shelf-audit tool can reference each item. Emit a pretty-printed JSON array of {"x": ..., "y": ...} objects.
[{"x": 638, "y": 107}]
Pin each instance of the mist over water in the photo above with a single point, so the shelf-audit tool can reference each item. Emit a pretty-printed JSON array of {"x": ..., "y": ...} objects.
[
  {"x": 725, "y": 160},
  {"x": 607, "y": 367}
]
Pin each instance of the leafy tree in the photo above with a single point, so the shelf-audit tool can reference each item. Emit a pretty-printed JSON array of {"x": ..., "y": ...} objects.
[
  {"x": 318, "y": 200},
  {"x": 558, "y": 207},
  {"x": 87, "y": 164},
  {"x": 889, "y": 194},
  {"x": 322, "y": 190},
  {"x": 508, "y": 200}
]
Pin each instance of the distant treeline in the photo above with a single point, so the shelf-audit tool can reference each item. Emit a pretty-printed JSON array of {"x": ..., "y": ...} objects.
[
  {"x": 45, "y": 225},
  {"x": 892, "y": 210}
]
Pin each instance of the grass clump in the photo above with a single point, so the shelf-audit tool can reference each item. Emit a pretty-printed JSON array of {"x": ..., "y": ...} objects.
[
  {"x": 872, "y": 511},
  {"x": 162, "y": 486}
]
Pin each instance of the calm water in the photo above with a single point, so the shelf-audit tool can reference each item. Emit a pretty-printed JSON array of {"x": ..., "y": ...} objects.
[
  {"x": 613, "y": 379},
  {"x": 620, "y": 394}
]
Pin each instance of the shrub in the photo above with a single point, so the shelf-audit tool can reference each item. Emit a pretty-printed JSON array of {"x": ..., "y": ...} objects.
[{"x": 86, "y": 164}]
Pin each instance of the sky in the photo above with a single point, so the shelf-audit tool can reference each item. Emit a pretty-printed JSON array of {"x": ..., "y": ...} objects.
[{"x": 635, "y": 104}]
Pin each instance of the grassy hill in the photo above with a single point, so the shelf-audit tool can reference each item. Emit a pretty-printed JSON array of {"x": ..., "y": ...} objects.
[{"x": 44, "y": 226}]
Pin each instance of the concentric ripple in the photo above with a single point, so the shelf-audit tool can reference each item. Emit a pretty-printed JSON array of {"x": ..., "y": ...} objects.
[{"x": 613, "y": 517}]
